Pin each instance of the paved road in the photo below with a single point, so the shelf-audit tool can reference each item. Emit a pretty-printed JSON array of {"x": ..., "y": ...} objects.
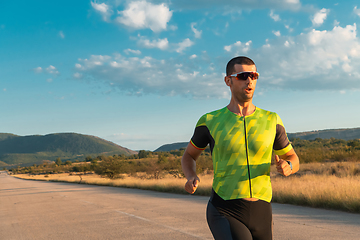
[{"x": 47, "y": 210}]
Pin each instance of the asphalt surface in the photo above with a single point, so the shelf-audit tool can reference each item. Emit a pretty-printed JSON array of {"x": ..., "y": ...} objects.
[{"x": 48, "y": 210}]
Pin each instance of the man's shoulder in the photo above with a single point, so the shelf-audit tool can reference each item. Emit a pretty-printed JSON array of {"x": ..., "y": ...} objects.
[
  {"x": 266, "y": 111},
  {"x": 274, "y": 115},
  {"x": 208, "y": 117},
  {"x": 215, "y": 112}
]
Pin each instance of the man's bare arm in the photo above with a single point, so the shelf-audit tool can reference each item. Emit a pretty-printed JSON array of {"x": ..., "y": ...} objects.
[
  {"x": 188, "y": 164},
  {"x": 282, "y": 165}
]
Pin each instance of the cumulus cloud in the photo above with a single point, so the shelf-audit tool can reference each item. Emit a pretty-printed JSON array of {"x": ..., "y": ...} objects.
[
  {"x": 49, "y": 70},
  {"x": 52, "y": 70},
  {"x": 276, "y": 33},
  {"x": 137, "y": 76},
  {"x": 184, "y": 44},
  {"x": 319, "y": 17},
  {"x": 77, "y": 75},
  {"x": 38, "y": 70},
  {"x": 239, "y": 47},
  {"x": 356, "y": 11},
  {"x": 317, "y": 60},
  {"x": 274, "y": 16},
  {"x": 314, "y": 60},
  {"x": 143, "y": 14},
  {"x": 293, "y": 5},
  {"x": 196, "y": 32},
  {"x": 128, "y": 51},
  {"x": 103, "y": 9},
  {"x": 158, "y": 43},
  {"x": 193, "y": 56}
]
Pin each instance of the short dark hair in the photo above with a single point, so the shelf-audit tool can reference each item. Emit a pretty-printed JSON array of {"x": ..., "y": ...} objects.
[{"x": 242, "y": 60}]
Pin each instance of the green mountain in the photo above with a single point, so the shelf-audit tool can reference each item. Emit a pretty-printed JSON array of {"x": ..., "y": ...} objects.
[
  {"x": 344, "y": 133},
  {"x": 28, "y": 150}
]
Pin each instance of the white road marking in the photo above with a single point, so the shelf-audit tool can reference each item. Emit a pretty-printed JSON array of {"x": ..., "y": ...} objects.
[{"x": 148, "y": 220}]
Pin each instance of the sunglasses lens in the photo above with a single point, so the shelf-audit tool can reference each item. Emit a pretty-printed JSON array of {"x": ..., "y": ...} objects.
[{"x": 243, "y": 76}]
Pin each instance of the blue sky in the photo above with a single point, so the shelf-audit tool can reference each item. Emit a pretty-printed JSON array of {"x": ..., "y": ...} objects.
[{"x": 141, "y": 73}]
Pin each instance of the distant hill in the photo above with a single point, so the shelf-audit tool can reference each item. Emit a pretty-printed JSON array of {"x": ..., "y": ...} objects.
[
  {"x": 6, "y": 135},
  {"x": 345, "y": 134},
  {"x": 20, "y": 150},
  {"x": 171, "y": 146}
]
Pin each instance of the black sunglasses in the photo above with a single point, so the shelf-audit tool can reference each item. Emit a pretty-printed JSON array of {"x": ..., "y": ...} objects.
[{"x": 245, "y": 75}]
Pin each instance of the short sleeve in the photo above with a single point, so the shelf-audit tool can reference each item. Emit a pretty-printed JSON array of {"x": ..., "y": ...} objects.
[
  {"x": 201, "y": 137},
  {"x": 281, "y": 143}
]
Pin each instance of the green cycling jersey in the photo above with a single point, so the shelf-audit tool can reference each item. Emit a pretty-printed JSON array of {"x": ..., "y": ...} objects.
[{"x": 241, "y": 149}]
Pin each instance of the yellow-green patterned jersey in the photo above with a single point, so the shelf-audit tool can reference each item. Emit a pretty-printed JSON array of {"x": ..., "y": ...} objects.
[{"x": 241, "y": 149}]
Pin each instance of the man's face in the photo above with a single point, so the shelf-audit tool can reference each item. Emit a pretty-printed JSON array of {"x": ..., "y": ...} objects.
[{"x": 242, "y": 90}]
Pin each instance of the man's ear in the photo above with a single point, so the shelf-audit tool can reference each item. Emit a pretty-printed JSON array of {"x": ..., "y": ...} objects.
[{"x": 228, "y": 81}]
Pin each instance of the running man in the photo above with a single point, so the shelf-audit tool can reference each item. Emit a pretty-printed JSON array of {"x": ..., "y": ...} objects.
[{"x": 241, "y": 138}]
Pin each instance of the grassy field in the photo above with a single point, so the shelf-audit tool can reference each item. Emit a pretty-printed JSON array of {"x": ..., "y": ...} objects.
[{"x": 322, "y": 185}]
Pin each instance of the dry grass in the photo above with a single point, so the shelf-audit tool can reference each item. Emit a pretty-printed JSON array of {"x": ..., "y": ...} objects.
[
  {"x": 342, "y": 193},
  {"x": 166, "y": 184},
  {"x": 329, "y": 185}
]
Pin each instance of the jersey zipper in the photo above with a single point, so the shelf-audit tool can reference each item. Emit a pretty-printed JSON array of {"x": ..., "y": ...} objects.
[{"x": 247, "y": 157}]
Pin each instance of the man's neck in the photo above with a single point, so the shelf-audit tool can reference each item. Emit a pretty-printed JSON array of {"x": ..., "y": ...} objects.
[{"x": 241, "y": 108}]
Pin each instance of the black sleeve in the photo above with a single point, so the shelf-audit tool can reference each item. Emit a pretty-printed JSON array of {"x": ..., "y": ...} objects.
[
  {"x": 201, "y": 137},
  {"x": 281, "y": 140}
]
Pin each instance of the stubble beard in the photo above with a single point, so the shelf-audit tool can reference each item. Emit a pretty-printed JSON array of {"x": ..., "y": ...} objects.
[{"x": 243, "y": 97}]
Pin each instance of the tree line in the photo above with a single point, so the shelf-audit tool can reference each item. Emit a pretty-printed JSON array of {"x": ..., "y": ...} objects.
[
  {"x": 153, "y": 164},
  {"x": 159, "y": 163}
]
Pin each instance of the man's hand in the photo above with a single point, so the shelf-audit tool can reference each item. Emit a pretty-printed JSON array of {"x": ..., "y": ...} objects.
[
  {"x": 192, "y": 184},
  {"x": 282, "y": 166}
]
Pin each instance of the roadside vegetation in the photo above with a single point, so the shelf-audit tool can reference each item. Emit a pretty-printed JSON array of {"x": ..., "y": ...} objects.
[{"x": 329, "y": 175}]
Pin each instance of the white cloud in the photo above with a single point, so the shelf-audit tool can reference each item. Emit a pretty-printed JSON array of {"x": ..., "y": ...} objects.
[
  {"x": 77, "y": 75},
  {"x": 239, "y": 47},
  {"x": 103, "y": 9},
  {"x": 4, "y": 90},
  {"x": 196, "y": 32},
  {"x": 320, "y": 17},
  {"x": 193, "y": 56},
  {"x": 142, "y": 15},
  {"x": 38, "y": 70},
  {"x": 52, "y": 70},
  {"x": 289, "y": 28},
  {"x": 162, "y": 44},
  {"x": 145, "y": 75},
  {"x": 184, "y": 44},
  {"x": 356, "y": 11},
  {"x": 61, "y": 34},
  {"x": 293, "y": 5},
  {"x": 173, "y": 27},
  {"x": 317, "y": 60},
  {"x": 128, "y": 51},
  {"x": 276, "y": 33},
  {"x": 49, "y": 80},
  {"x": 274, "y": 16}
]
